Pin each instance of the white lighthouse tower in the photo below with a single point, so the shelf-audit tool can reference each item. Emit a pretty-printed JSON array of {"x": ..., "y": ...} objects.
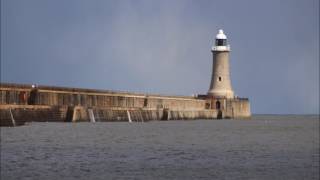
[{"x": 220, "y": 86}]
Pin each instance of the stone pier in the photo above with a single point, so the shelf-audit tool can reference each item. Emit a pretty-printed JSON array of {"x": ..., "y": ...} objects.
[{"x": 25, "y": 103}]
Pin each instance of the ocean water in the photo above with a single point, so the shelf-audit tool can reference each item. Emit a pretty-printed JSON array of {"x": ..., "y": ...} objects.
[{"x": 265, "y": 147}]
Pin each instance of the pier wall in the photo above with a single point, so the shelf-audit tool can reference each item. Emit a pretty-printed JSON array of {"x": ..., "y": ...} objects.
[
  {"x": 13, "y": 115},
  {"x": 238, "y": 108},
  {"x": 21, "y": 103}
]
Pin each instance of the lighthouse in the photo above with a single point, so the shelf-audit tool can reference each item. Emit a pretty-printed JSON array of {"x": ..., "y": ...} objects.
[{"x": 220, "y": 86}]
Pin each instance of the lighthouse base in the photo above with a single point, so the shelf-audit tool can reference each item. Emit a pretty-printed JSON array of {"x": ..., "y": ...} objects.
[{"x": 229, "y": 107}]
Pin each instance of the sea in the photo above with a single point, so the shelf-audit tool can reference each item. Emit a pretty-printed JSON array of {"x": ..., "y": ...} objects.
[{"x": 264, "y": 147}]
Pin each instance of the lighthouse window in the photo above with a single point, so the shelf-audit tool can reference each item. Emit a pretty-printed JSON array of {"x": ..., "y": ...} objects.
[
  {"x": 221, "y": 42},
  {"x": 219, "y": 78}
]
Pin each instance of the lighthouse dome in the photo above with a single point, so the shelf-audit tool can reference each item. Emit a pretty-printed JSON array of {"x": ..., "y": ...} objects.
[{"x": 221, "y": 35}]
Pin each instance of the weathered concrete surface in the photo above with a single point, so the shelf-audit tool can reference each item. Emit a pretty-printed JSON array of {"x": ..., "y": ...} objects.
[
  {"x": 239, "y": 108},
  {"x": 138, "y": 115},
  {"x": 27, "y": 113}
]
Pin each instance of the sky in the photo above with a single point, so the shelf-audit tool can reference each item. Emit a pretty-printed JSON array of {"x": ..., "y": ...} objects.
[{"x": 163, "y": 47}]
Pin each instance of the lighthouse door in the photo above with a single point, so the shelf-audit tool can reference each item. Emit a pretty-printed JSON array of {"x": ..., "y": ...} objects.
[{"x": 218, "y": 105}]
